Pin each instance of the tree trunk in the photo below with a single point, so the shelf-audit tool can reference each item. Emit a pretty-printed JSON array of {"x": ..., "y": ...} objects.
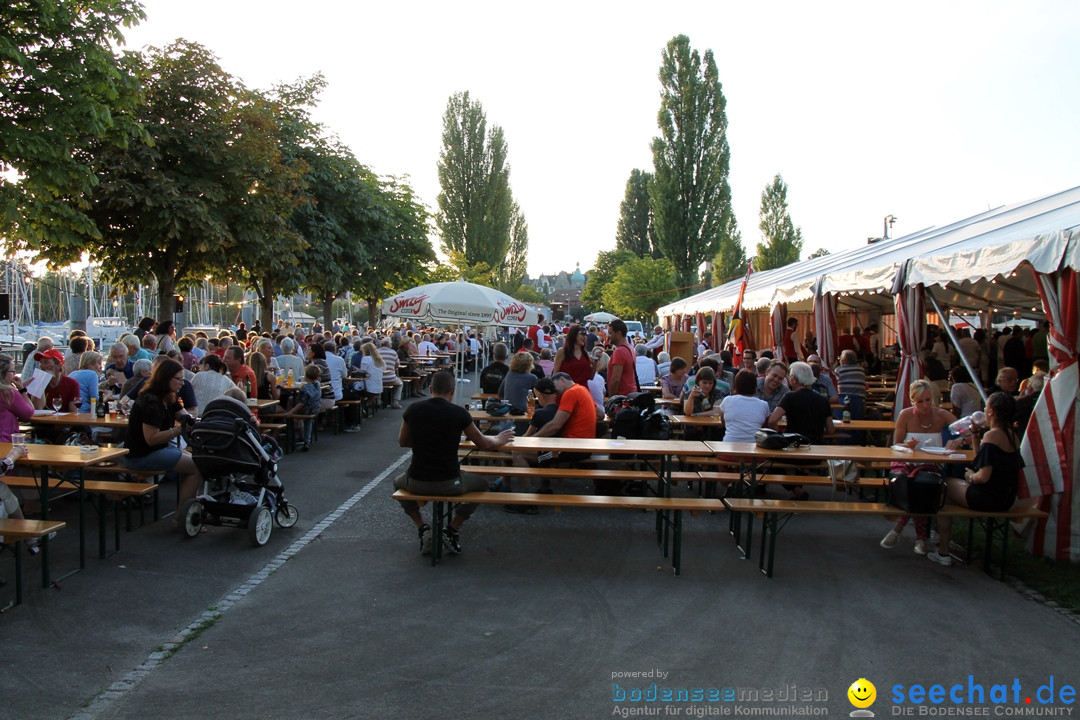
[
  {"x": 328, "y": 309},
  {"x": 266, "y": 303},
  {"x": 166, "y": 303},
  {"x": 373, "y": 311}
]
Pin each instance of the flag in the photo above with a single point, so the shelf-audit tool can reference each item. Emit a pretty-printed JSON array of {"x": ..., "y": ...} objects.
[{"x": 738, "y": 333}]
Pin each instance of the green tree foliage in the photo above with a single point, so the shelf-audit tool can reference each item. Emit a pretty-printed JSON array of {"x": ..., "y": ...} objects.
[
  {"x": 397, "y": 246},
  {"x": 477, "y": 214},
  {"x": 730, "y": 262},
  {"x": 603, "y": 272},
  {"x": 528, "y": 294},
  {"x": 61, "y": 87},
  {"x": 781, "y": 240},
  {"x": 640, "y": 286},
  {"x": 635, "y": 232},
  {"x": 513, "y": 270},
  {"x": 211, "y": 183},
  {"x": 690, "y": 195},
  {"x": 820, "y": 252}
]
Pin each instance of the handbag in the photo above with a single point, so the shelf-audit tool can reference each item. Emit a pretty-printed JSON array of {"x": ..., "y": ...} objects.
[
  {"x": 771, "y": 440},
  {"x": 921, "y": 494}
]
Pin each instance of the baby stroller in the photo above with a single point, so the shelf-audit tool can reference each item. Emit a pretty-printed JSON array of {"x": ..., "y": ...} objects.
[{"x": 239, "y": 468}]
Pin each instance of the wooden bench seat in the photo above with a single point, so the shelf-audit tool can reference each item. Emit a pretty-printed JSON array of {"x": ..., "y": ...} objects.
[
  {"x": 14, "y": 531},
  {"x": 582, "y": 473},
  {"x": 776, "y": 513},
  {"x": 663, "y": 505},
  {"x": 114, "y": 491}
]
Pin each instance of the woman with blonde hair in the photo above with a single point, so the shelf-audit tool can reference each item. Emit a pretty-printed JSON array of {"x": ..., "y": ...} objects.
[{"x": 921, "y": 425}]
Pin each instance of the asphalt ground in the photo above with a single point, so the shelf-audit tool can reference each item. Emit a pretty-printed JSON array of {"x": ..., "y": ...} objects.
[{"x": 562, "y": 615}]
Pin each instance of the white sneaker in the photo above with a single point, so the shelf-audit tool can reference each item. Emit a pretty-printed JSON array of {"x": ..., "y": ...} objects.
[
  {"x": 920, "y": 547},
  {"x": 354, "y": 429},
  {"x": 890, "y": 539},
  {"x": 934, "y": 556},
  {"x": 934, "y": 537}
]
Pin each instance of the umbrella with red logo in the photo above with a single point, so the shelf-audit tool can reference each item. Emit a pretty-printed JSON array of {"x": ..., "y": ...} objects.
[{"x": 459, "y": 303}]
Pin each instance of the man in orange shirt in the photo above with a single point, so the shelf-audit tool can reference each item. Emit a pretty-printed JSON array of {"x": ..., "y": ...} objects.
[{"x": 578, "y": 413}]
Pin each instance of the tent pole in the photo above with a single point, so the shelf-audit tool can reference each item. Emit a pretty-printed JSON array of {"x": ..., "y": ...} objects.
[{"x": 956, "y": 344}]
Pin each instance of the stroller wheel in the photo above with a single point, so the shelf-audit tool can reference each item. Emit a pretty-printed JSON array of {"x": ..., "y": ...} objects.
[
  {"x": 287, "y": 515},
  {"x": 260, "y": 525},
  {"x": 191, "y": 518}
]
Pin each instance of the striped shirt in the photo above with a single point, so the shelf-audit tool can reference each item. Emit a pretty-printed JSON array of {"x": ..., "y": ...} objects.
[
  {"x": 850, "y": 379},
  {"x": 390, "y": 363}
]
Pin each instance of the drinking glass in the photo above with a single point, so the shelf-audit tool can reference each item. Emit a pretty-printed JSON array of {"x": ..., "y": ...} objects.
[
  {"x": 19, "y": 439},
  {"x": 57, "y": 403}
]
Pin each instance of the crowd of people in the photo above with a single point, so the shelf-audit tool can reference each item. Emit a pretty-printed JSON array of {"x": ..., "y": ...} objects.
[
  {"x": 567, "y": 373},
  {"x": 757, "y": 390}
]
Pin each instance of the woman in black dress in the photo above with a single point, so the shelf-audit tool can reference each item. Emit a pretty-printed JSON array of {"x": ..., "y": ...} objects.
[{"x": 991, "y": 481}]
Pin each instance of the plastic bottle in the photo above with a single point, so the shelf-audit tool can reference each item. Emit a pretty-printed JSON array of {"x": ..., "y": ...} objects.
[
  {"x": 93, "y": 406},
  {"x": 967, "y": 424},
  {"x": 532, "y": 405},
  {"x": 847, "y": 409}
]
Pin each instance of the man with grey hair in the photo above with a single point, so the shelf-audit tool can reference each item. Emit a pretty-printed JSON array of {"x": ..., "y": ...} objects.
[
  {"x": 645, "y": 366},
  {"x": 289, "y": 360},
  {"x": 44, "y": 343},
  {"x": 807, "y": 413}
]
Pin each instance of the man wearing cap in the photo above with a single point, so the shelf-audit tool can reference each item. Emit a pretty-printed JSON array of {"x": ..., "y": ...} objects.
[{"x": 61, "y": 386}]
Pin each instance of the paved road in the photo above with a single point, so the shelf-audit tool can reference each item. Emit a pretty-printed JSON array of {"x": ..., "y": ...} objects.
[{"x": 554, "y": 616}]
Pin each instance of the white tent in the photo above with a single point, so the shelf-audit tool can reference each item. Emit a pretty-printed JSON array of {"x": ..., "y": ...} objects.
[
  {"x": 970, "y": 265},
  {"x": 1017, "y": 257}
]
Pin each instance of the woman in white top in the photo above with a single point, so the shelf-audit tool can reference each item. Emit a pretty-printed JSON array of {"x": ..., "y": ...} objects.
[
  {"x": 372, "y": 363},
  {"x": 742, "y": 414},
  {"x": 963, "y": 394},
  {"x": 598, "y": 385},
  {"x": 918, "y": 426}
]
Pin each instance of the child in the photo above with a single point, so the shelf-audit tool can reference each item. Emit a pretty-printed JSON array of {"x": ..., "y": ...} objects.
[{"x": 308, "y": 401}]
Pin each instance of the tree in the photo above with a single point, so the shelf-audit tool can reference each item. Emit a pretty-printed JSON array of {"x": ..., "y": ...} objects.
[
  {"x": 477, "y": 214},
  {"x": 781, "y": 240},
  {"x": 730, "y": 262},
  {"x": 689, "y": 193},
  {"x": 640, "y": 286},
  {"x": 61, "y": 88},
  {"x": 513, "y": 270},
  {"x": 208, "y": 186},
  {"x": 820, "y": 252},
  {"x": 635, "y": 232},
  {"x": 603, "y": 272},
  {"x": 528, "y": 294},
  {"x": 397, "y": 246}
]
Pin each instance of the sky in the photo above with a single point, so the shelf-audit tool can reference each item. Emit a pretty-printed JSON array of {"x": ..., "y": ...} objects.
[{"x": 926, "y": 111}]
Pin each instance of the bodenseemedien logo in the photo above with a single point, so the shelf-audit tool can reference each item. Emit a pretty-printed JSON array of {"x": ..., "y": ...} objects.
[{"x": 862, "y": 694}]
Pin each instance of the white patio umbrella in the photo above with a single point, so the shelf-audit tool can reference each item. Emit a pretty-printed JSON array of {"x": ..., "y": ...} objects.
[
  {"x": 459, "y": 303},
  {"x": 601, "y": 317}
]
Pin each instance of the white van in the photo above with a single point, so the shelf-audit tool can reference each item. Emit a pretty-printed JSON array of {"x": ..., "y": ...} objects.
[{"x": 634, "y": 329}]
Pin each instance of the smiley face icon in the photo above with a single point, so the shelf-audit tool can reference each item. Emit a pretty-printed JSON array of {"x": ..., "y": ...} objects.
[{"x": 862, "y": 693}]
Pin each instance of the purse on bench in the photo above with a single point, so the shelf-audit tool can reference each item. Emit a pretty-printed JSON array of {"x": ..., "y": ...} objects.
[{"x": 923, "y": 494}]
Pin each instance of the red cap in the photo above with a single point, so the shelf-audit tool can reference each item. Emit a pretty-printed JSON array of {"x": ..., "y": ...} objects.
[{"x": 49, "y": 355}]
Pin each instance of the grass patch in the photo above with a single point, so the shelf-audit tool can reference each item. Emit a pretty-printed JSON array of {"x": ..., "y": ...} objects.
[{"x": 1057, "y": 580}]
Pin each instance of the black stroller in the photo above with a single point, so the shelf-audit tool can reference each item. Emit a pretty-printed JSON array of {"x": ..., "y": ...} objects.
[{"x": 239, "y": 468}]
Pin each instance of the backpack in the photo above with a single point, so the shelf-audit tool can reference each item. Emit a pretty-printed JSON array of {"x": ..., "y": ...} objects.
[
  {"x": 655, "y": 425},
  {"x": 628, "y": 424}
]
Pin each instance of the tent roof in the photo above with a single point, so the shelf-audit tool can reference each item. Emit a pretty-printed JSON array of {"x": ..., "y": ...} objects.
[{"x": 967, "y": 265}]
